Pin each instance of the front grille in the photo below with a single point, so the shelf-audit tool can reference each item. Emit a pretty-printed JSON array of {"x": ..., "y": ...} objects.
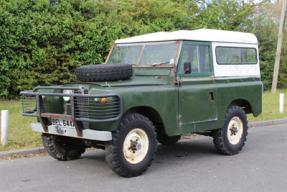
[
  {"x": 29, "y": 103},
  {"x": 80, "y": 103},
  {"x": 84, "y": 107},
  {"x": 68, "y": 109},
  {"x": 88, "y": 108}
]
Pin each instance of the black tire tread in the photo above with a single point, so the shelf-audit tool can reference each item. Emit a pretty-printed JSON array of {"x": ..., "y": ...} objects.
[
  {"x": 110, "y": 147},
  {"x": 219, "y": 136},
  {"x": 57, "y": 151},
  {"x": 104, "y": 72}
]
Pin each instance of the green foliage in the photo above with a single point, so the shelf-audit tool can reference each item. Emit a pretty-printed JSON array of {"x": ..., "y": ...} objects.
[
  {"x": 226, "y": 15},
  {"x": 265, "y": 26},
  {"x": 266, "y": 32},
  {"x": 282, "y": 78},
  {"x": 43, "y": 41},
  {"x": 42, "y": 44}
]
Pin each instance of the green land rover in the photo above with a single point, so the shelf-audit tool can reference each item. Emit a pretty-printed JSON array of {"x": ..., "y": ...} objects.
[{"x": 153, "y": 88}]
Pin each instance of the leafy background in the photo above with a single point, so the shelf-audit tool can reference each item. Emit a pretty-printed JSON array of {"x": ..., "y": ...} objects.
[{"x": 43, "y": 41}]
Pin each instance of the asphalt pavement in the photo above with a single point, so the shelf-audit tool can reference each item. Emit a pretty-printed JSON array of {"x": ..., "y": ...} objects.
[
  {"x": 190, "y": 165},
  {"x": 33, "y": 151}
]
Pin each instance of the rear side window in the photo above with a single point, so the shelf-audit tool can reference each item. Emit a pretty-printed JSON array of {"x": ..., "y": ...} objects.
[{"x": 235, "y": 55}]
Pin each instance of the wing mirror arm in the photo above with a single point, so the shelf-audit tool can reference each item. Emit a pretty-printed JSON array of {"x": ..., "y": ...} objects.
[{"x": 187, "y": 70}]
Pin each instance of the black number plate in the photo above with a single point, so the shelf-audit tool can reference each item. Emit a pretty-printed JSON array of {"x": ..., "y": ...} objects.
[{"x": 63, "y": 122}]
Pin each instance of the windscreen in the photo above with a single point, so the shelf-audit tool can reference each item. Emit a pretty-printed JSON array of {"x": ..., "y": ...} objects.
[
  {"x": 125, "y": 54},
  {"x": 159, "y": 54},
  {"x": 148, "y": 54}
]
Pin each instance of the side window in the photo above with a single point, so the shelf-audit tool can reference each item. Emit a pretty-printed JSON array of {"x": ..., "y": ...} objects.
[
  {"x": 235, "y": 55},
  {"x": 194, "y": 62},
  {"x": 198, "y": 56}
]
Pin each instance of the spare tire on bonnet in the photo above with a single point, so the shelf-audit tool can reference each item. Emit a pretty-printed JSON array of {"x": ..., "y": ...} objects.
[{"x": 104, "y": 72}]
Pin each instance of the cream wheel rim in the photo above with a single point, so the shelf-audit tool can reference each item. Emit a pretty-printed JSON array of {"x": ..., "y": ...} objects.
[
  {"x": 235, "y": 130},
  {"x": 136, "y": 146}
]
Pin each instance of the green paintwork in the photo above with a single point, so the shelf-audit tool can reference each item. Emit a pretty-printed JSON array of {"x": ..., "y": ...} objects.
[
  {"x": 53, "y": 104},
  {"x": 161, "y": 98},
  {"x": 134, "y": 81},
  {"x": 248, "y": 91},
  {"x": 59, "y": 107},
  {"x": 195, "y": 104},
  {"x": 139, "y": 71},
  {"x": 197, "y": 101},
  {"x": 200, "y": 102}
]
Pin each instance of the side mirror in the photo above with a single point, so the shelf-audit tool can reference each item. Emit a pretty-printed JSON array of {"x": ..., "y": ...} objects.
[
  {"x": 187, "y": 67},
  {"x": 187, "y": 70}
]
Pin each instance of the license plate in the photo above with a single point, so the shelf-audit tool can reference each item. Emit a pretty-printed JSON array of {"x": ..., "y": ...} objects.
[{"x": 63, "y": 123}]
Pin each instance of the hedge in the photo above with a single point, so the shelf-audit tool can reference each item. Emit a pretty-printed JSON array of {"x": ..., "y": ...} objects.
[{"x": 42, "y": 42}]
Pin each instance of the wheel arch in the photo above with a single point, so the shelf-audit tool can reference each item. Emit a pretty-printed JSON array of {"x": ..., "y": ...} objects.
[
  {"x": 246, "y": 106},
  {"x": 150, "y": 113}
]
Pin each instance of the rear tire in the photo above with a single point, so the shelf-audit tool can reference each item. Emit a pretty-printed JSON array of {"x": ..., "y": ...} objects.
[
  {"x": 60, "y": 150},
  {"x": 133, "y": 147},
  {"x": 231, "y": 138}
]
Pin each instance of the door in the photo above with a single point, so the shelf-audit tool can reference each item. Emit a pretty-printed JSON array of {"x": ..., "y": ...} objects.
[{"x": 197, "y": 95}]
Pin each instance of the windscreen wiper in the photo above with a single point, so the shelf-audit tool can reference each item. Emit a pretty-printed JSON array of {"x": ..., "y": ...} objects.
[{"x": 154, "y": 64}]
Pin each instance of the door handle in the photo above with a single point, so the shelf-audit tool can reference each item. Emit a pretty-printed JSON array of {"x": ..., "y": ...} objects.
[{"x": 211, "y": 96}]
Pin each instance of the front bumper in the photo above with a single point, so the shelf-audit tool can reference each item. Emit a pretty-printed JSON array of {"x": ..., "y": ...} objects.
[
  {"x": 72, "y": 132},
  {"x": 80, "y": 111}
]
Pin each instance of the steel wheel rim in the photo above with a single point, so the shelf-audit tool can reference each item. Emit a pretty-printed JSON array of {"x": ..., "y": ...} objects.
[
  {"x": 135, "y": 146},
  {"x": 235, "y": 130}
]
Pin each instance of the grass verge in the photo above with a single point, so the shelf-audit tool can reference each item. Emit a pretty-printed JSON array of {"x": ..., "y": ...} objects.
[
  {"x": 271, "y": 107},
  {"x": 20, "y": 135}
]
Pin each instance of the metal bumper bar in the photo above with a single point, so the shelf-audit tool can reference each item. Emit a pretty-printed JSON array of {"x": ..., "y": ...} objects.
[
  {"x": 78, "y": 122},
  {"x": 70, "y": 132}
]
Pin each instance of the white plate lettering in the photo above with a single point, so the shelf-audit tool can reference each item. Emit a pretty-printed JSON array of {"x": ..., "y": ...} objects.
[{"x": 63, "y": 123}]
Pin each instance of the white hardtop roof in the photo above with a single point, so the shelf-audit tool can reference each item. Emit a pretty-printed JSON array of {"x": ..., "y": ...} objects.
[{"x": 211, "y": 35}]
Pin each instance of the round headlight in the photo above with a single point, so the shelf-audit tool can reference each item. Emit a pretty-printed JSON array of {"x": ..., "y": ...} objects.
[{"x": 67, "y": 92}]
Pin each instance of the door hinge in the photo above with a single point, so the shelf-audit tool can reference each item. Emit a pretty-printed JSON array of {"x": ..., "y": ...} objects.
[{"x": 179, "y": 118}]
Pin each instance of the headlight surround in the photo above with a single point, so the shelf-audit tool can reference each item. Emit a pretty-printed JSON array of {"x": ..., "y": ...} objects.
[{"x": 67, "y": 92}]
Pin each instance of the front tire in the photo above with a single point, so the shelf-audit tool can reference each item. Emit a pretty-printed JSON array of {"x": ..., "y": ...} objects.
[
  {"x": 133, "y": 147},
  {"x": 231, "y": 138},
  {"x": 60, "y": 150}
]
